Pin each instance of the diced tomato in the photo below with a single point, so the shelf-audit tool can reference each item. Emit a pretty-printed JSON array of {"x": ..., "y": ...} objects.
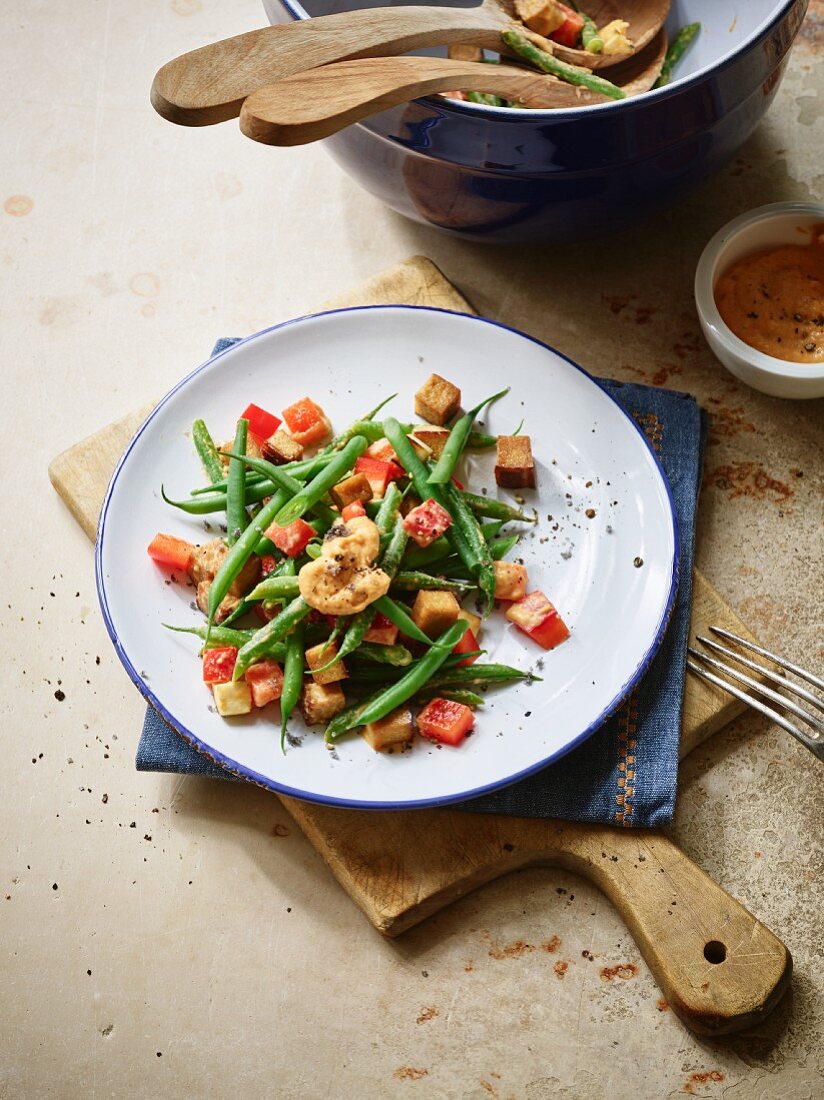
[
  {"x": 292, "y": 538},
  {"x": 467, "y": 644},
  {"x": 219, "y": 664},
  {"x": 427, "y": 522},
  {"x": 307, "y": 422},
  {"x": 458, "y": 484},
  {"x": 382, "y": 631},
  {"x": 262, "y": 424},
  {"x": 264, "y": 613},
  {"x": 569, "y": 32},
  {"x": 170, "y": 552},
  {"x": 445, "y": 721},
  {"x": 378, "y": 473},
  {"x": 268, "y": 564},
  {"x": 351, "y": 511},
  {"x": 383, "y": 450},
  {"x": 265, "y": 680},
  {"x": 537, "y": 617}
]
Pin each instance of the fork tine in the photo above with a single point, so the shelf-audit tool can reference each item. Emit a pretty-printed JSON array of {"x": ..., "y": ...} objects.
[
  {"x": 788, "y": 665},
  {"x": 761, "y": 689},
  {"x": 773, "y": 677},
  {"x": 815, "y": 746}
]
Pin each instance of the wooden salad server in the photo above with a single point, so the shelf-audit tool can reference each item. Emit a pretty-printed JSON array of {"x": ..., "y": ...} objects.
[
  {"x": 209, "y": 85},
  {"x": 312, "y": 105}
]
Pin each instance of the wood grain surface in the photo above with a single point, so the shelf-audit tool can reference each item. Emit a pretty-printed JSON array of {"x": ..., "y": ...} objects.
[{"x": 401, "y": 867}]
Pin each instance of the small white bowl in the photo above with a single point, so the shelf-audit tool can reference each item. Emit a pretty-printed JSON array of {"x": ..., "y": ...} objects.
[{"x": 764, "y": 227}]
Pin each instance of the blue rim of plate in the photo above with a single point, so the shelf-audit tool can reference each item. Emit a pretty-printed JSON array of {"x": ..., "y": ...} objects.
[{"x": 240, "y": 770}]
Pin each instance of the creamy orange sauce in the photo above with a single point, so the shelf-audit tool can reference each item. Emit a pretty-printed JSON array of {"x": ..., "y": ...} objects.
[{"x": 773, "y": 300}]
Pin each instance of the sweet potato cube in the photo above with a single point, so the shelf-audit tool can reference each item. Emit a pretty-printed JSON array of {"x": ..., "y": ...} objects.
[
  {"x": 352, "y": 488},
  {"x": 435, "y": 611},
  {"x": 233, "y": 698},
  {"x": 321, "y": 702},
  {"x": 394, "y": 731},
  {"x": 320, "y": 655},
  {"x": 542, "y": 16},
  {"x": 437, "y": 400},
  {"x": 475, "y": 621},
  {"x": 280, "y": 448},
  {"x": 428, "y": 441},
  {"x": 510, "y": 580},
  {"x": 514, "y": 468}
]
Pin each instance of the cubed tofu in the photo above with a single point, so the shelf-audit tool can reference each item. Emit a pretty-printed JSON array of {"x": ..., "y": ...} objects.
[
  {"x": 320, "y": 703},
  {"x": 233, "y": 698},
  {"x": 280, "y": 448},
  {"x": 203, "y": 567},
  {"x": 510, "y": 580},
  {"x": 435, "y": 611},
  {"x": 395, "y": 731},
  {"x": 437, "y": 400},
  {"x": 542, "y": 16},
  {"x": 475, "y": 621},
  {"x": 352, "y": 488},
  {"x": 514, "y": 468},
  {"x": 252, "y": 449},
  {"x": 432, "y": 439},
  {"x": 320, "y": 655}
]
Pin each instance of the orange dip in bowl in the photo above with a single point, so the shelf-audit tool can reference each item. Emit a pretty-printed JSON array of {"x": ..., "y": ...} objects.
[{"x": 773, "y": 300}]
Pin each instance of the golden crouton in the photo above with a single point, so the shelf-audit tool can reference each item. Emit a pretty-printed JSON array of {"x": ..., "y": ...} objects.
[
  {"x": 429, "y": 442},
  {"x": 233, "y": 698},
  {"x": 321, "y": 702},
  {"x": 437, "y": 400},
  {"x": 280, "y": 448},
  {"x": 392, "y": 732},
  {"x": 474, "y": 621},
  {"x": 510, "y": 580},
  {"x": 320, "y": 655},
  {"x": 435, "y": 611},
  {"x": 514, "y": 468},
  {"x": 352, "y": 488},
  {"x": 542, "y": 16}
]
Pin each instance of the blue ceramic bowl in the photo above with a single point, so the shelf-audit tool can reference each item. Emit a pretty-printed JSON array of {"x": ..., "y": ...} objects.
[{"x": 493, "y": 174}]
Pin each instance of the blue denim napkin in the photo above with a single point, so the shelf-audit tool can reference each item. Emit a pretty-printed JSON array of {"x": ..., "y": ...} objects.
[{"x": 625, "y": 773}]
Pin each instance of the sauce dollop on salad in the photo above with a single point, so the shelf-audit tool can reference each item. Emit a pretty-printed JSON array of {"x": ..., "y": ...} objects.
[{"x": 773, "y": 300}]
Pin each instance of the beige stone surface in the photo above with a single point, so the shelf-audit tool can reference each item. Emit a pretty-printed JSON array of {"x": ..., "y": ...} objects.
[{"x": 166, "y": 936}]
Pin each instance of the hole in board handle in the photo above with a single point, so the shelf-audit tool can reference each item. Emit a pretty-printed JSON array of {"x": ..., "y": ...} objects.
[{"x": 715, "y": 951}]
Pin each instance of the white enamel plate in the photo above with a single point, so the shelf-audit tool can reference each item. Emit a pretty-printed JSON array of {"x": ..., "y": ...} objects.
[{"x": 605, "y": 550}]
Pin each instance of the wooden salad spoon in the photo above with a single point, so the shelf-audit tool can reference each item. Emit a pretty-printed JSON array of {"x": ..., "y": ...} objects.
[
  {"x": 209, "y": 85},
  {"x": 313, "y": 105}
]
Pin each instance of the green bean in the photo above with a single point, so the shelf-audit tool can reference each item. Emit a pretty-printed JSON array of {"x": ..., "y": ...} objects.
[
  {"x": 396, "y": 655},
  {"x": 236, "y": 518},
  {"x": 322, "y": 482},
  {"x": 292, "y": 678},
  {"x": 411, "y": 581},
  {"x": 487, "y": 99},
  {"x": 340, "y": 723},
  {"x": 480, "y": 441},
  {"x": 480, "y": 674},
  {"x": 313, "y": 550},
  {"x": 498, "y": 549},
  {"x": 388, "y": 509},
  {"x": 291, "y": 485},
  {"x": 570, "y": 73},
  {"x": 391, "y": 559},
  {"x": 220, "y": 635},
  {"x": 396, "y": 613},
  {"x": 439, "y": 550},
  {"x": 458, "y": 658},
  {"x": 457, "y": 695},
  {"x": 413, "y": 681},
  {"x": 453, "y": 448},
  {"x": 591, "y": 39},
  {"x": 677, "y": 48},
  {"x": 261, "y": 642},
  {"x": 495, "y": 509},
  {"x": 275, "y": 588},
  {"x": 207, "y": 503},
  {"x": 357, "y": 428},
  {"x": 307, "y": 467},
  {"x": 207, "y": 452},
  {"x": 463, "y": 517}
]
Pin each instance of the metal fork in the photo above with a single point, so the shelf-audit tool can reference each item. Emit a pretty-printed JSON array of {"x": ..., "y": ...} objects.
[{"x": 813, "y": 741}]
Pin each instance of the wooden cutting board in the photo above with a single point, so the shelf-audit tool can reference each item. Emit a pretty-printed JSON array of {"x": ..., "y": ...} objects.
[{"x": 719, "y": 968}]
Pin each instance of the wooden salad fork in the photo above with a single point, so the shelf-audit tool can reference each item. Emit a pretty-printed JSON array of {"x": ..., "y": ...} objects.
[{"x": 209, "y": 85}]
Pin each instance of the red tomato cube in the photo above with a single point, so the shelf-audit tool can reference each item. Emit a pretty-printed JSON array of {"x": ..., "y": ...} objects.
[
  {"x": 378, "y": 473},
  {"x": 268, "y": 564},
  {"x": 351, "y": 511},
  {"x": 382, "y": 631},
  {"x": 171, "y": 553},
  {"x": 458, "y": 484},
  {"x": 291, "y": 539},
  {"x": 445, "y": 721},
  {"x": 307, "y": 422},
  {"x": 262, "y": 424},
  {"x": 219, "y": 664},
  {"x": 467, "y": 644},
  {"x": 537, "y": 617},
  {"x": 427, "y": 522},
  {"x": 265, "y": 680},
  {"x": 569, "y": 32},
  {"x": 383, "y": 450}
]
